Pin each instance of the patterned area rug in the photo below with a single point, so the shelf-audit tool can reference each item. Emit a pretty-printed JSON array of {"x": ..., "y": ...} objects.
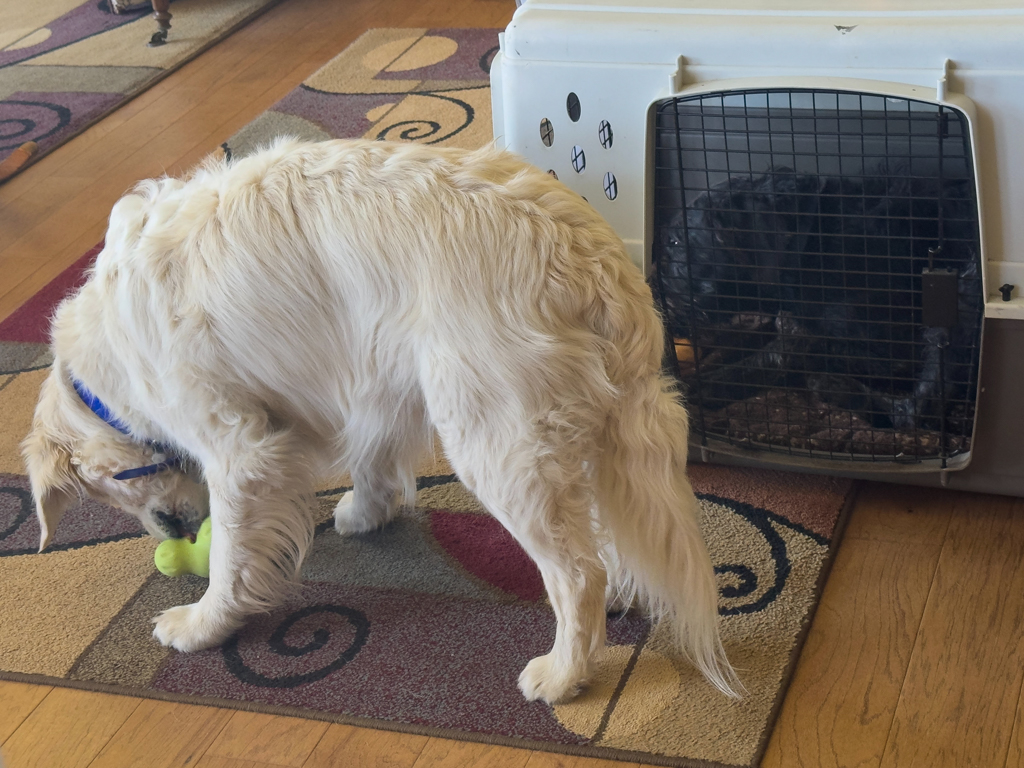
[
  {"x": 425, "y": 625},
  {"x": 65, "y": 64}
]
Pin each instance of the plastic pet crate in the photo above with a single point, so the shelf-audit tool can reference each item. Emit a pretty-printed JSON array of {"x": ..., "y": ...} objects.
[{"x": 823, "y": 197}]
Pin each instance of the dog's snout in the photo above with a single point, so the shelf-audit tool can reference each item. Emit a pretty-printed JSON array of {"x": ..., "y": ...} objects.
[
  {"x": 169, "y": 524},
  {"x": 176, "y": 526}
]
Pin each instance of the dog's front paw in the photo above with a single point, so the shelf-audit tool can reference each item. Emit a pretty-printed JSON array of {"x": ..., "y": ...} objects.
[
  {"x": 541, "y": 679},
  {"x": 187, "y": 629}
]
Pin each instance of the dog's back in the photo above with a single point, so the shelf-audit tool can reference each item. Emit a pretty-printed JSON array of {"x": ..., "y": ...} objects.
[{"x": 371, "y": 253}]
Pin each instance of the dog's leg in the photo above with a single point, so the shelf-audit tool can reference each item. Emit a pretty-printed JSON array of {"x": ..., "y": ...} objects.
[
  {"x": 553, "y": 525},
  {"x": 536, "y": 486},
  {"x": 564, "y": 549},
  {"x": 382, "y": 455},
  {"x": 262, "y": 525},
  {"x": 372, "y": 502}
]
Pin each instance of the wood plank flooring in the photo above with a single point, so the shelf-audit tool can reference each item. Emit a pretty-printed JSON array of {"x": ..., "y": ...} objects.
[{"x": 915, "y": 655}]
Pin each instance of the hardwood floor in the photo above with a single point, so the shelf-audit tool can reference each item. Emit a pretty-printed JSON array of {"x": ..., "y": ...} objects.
[{"x": 915, "y": 655}]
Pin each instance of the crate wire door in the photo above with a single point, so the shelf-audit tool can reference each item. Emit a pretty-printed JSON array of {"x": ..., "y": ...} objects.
[{"x": 801, "y": 238}]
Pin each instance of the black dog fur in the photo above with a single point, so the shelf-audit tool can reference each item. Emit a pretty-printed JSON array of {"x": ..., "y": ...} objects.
[{"x": 814, "y": 282}]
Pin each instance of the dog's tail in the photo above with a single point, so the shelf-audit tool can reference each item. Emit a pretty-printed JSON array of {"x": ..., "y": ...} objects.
[{"x": 647, "y": 506}]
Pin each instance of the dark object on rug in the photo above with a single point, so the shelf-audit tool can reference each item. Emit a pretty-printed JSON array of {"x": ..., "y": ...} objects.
[
  {"x": 161, "y": 15},
  {"x": 813, "y": 285}
]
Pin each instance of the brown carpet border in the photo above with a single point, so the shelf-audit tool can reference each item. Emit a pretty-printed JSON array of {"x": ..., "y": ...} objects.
[{"x": 606, "y": 753}]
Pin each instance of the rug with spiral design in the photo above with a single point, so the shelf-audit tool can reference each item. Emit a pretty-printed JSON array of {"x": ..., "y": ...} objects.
[
  {"x": 65, "y": 64},
  {"x": 424, "y": 625}
]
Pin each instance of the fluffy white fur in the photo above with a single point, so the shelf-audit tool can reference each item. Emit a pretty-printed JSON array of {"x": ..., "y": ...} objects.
[{"x": 320, "y": 307}]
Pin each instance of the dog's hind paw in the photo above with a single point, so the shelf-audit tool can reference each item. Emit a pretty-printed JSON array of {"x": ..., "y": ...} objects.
[
  {"x": 185, "y": 628},
  {"x": 352, "y": 517},
  {"x": 541, "y": 679},
  {"x": 345, "y": 521}
]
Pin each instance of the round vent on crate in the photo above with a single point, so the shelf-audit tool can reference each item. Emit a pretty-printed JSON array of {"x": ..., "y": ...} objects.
[
  {"x": 572, "y": 106},
  {"x": 547, "y": 132},
  {"x": 578, "y": 158},
  {"x": 611, "y": 186},
  {"x": 604, "y": 133}
]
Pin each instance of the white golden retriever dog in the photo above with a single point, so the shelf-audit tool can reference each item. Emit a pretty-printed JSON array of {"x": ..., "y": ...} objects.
[{"x": 321, "y": 307}]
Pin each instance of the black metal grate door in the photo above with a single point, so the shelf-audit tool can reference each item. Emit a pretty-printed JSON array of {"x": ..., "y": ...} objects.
[{"x": 816, "y": 258}]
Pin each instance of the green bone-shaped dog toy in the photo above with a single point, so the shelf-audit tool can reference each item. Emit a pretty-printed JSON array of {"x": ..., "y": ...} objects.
[{"x": 175, "y": 557}]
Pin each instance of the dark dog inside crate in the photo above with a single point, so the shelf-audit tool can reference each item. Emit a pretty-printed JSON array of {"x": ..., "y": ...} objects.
[{"x": 800, "y": 300}]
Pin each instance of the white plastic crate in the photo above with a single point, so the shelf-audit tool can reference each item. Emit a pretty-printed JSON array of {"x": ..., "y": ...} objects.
[{"x": 580, "y": 89}]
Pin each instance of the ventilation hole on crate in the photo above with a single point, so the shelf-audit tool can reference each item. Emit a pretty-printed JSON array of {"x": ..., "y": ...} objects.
[
  {"x": 579, "y": 160},
  {"x": 611, "y": 186},
  {"x": 572, "y": 106},
  {"x": 551, "y": 171},
  {"x": 604, "y": 133},
  {"x": 547, "y": 132}
]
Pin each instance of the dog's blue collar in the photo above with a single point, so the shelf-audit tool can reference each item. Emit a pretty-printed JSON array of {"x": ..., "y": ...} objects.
[
  {"x": 168, "y": 459},
  {"x": 96, "y": 406}
]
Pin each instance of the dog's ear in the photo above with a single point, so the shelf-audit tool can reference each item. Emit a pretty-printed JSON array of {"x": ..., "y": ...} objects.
[{"x": 55, "y": 486}]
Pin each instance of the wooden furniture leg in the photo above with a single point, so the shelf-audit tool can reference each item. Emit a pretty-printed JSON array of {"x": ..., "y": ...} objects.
[{"x": 163, "y": 19}]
